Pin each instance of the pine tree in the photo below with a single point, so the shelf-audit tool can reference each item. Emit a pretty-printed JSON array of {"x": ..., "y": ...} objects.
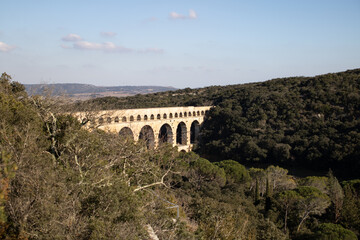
[{"x": 336, "y": 195}]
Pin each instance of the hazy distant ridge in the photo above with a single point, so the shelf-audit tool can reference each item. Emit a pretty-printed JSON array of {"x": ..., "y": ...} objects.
[{"x": 77, "y": 88}]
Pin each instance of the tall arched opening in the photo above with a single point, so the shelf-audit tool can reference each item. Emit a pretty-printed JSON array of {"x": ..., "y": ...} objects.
[
  {"x": 194, "y": 132},
  {"x": 147, "y": 135},
  {"x": 181, "y": 137},
  {"x": 126, "y": 132},
  {"x": 165, "y": 134}
]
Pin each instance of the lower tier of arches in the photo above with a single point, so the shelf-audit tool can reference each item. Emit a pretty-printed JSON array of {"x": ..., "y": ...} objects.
[{"x": 180, "y": 133}]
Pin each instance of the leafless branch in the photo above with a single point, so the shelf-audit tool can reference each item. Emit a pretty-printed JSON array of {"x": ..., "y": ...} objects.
[{"x": 161, "y": 182}]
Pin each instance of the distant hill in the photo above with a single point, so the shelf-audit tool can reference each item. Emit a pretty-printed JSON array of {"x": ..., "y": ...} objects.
[{"x": 87, "y": 91}]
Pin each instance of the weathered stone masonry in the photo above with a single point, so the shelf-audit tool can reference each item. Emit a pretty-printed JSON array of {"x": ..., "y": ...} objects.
[{"x": 178, "y": 126}]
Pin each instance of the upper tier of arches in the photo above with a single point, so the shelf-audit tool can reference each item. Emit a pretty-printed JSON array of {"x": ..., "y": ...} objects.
[{"x": 136, "y": 115}]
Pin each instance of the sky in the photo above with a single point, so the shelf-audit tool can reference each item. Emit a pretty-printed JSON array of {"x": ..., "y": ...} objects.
[{"x": 178, "y": 43}]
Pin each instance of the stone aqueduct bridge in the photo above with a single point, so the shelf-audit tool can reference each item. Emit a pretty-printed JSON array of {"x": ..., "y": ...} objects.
[{"x": 178, "y": 126}]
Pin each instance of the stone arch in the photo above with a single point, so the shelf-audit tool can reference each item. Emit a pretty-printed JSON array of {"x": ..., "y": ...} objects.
[
  {"x": 152, "y": 117},
  {"x": 194, "y": 113},
  {"x": 165, "y": 134},
  {"x": 131, "y": 118},
  {"x": 123, "y": 119},
  {"x": 101, "y": 120},
  {"x": 145, "y": 117},
  {"x": 170, "y": 115},
  {"x": 116, "y": 119},
  {"x": 164, "y": 116},
  {"x": 126, "y": 133},
  {"x": 176, "y": 115},
  {"x": 181, "y": 134},
  {"x": 198, "y": 113},
  {"x": 147, "y": 135},
  {"x": 202, "y": 113},
  {"x": 138, "y": 118},
  {"x": 185, "y": 114},
  {"x": 158, "y": 116},
  {"x": 180, "y": 115},
  {"x": 108, "y": 120},
  {"x": 194, "y": 132},
  {"x": 189, "y": 114}
]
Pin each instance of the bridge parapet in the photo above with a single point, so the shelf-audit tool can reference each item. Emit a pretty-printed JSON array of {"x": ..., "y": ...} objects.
[{"x": 176, "y": 125}]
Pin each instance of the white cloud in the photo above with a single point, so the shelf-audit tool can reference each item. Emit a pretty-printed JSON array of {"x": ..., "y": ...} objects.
[
  {"x": 108, "y": 34},
  {"x": 175, "y": 15},
  {"x": 109, "y": 47},
  {"x": 106, "y": 47},
  {"x": 5, "y": 47},
  {"x": 80, "y": 44},
  {"x": 72, "y": 38},
  {"x": 87, "y": 45},
  {"x": 192, "y": 14}
]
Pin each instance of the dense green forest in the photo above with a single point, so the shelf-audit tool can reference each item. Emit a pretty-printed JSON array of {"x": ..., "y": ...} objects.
[
  {"x": 61, "y": 181},
  {"x": 307, "y": 122}
]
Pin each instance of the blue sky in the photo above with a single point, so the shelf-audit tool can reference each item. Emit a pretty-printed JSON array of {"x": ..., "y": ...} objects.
[{"x": 177, "y": 43}]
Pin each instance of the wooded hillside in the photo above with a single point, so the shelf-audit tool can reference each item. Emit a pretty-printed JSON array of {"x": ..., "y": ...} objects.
[
  {"x": 61, "y": 181},
  {"x": 309, "y": 122}
]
